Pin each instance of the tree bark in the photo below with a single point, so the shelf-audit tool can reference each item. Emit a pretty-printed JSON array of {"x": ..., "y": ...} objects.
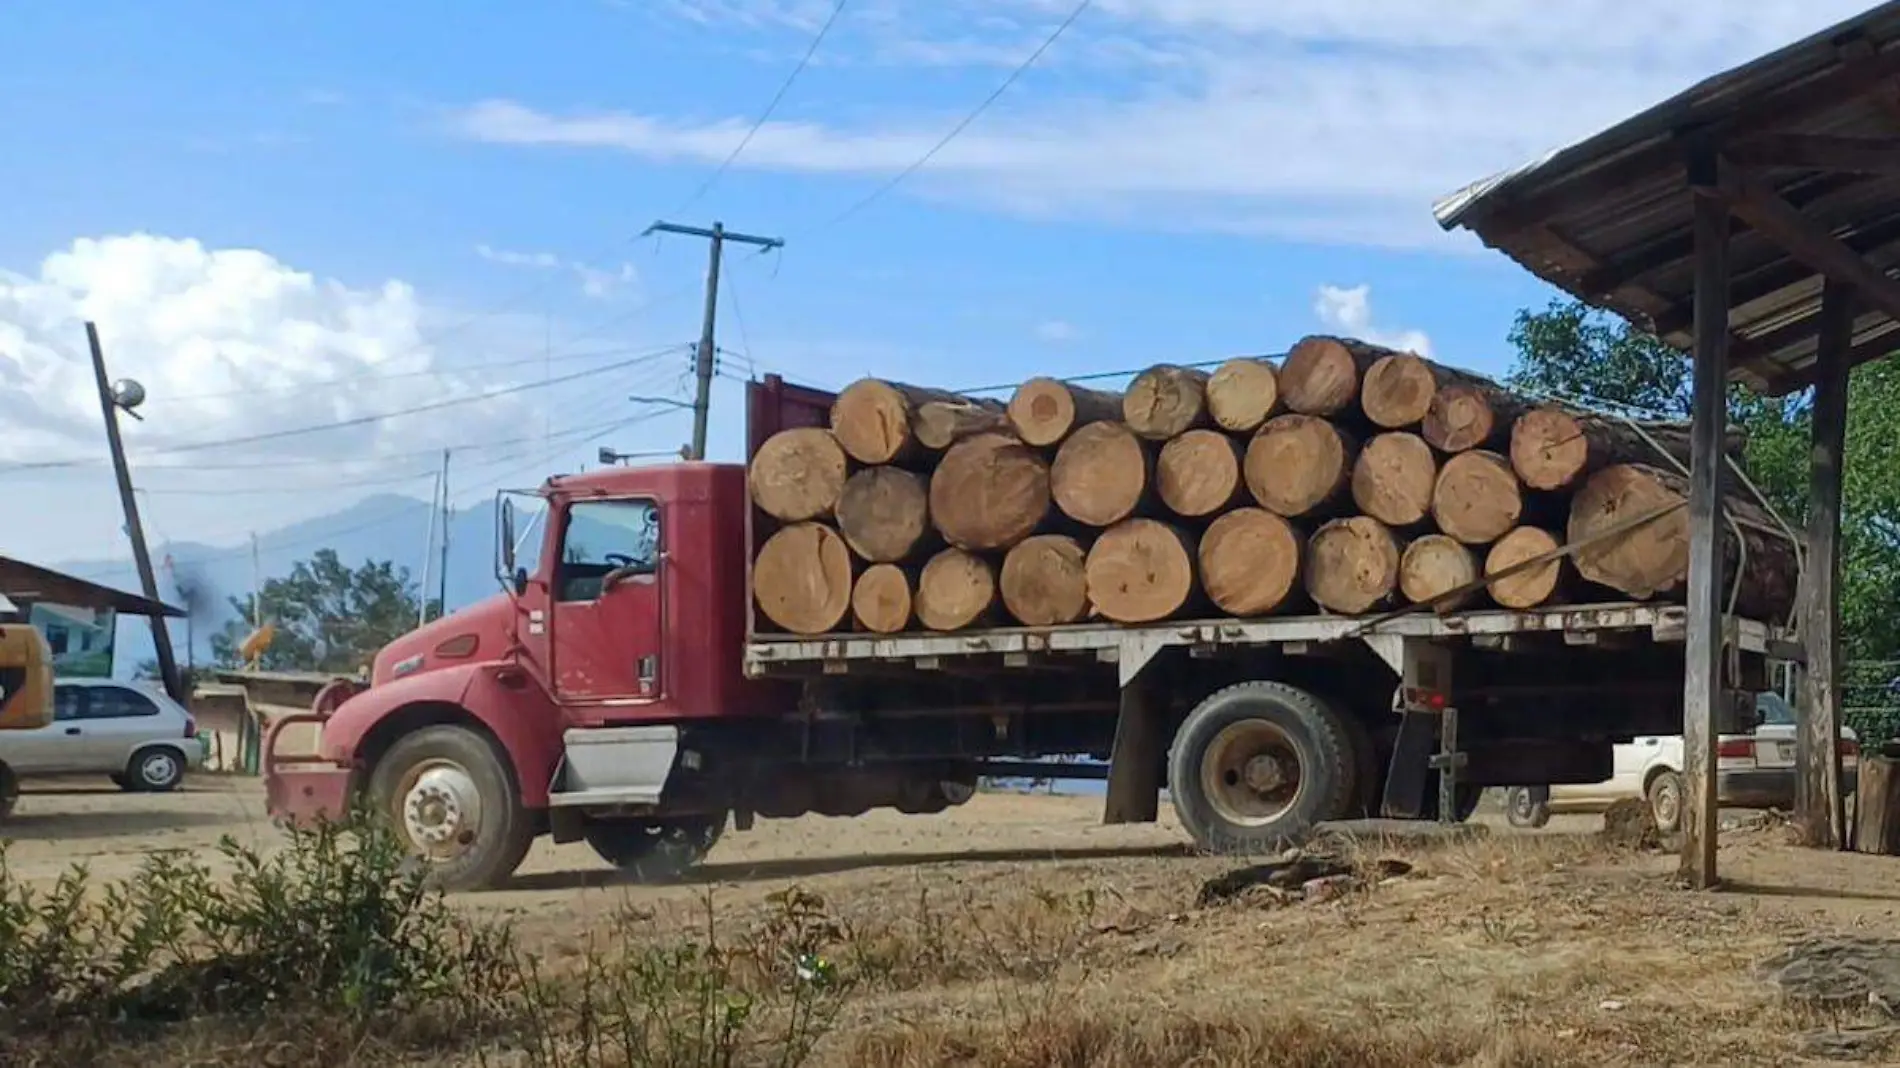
[
  {"x": 798, "y": 475},
  {"x": 956, "y": 589},
  {"x": 1471, "y": 414},
  {"x": 884, "y": 514},
  {"x": 1476, "y": 498},
  {"x": 801, "y": 578},
  {"x": 1556, "y": 449},
  {"x": 1140, "y": 571},
  {"x": 1045, "y": 581},
  {"x": 1533, "y": 586},
  {"x": 881, "y": 599},
  {"x": 1653, "y": 559},
  {"x": 1044, "y": 411},
  {"x": 1352, "y": 565},
  {"x": 1198, "y": 473},
  {"x": 1435, "y": 565},
  {"x": 1877, "y": 806},
  {"x": 1102, "y": 474},
  {"x": 872, "y": 419},
  {"x": 1243, "y": 393},
  {"x": 939, "y": 424},
  {"x": 1321, "y": 374},
  {"x": 1164, "y": 401},
  {"x": 1299, "y": 465},
  {"x": 1393, "y": 478},
  {"x": 1250, "y": 562},
  {"x": 989, "y": 492}
]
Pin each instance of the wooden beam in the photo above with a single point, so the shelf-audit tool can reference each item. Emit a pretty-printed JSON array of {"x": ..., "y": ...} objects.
[
  {"x": 1702, "y": 652},
  {"x": 1820, "y": 152},
  {"x": 1778, "y": 221},
  {"x": 1870, "y": 239},
  {"x": 1820, "y": 806}
]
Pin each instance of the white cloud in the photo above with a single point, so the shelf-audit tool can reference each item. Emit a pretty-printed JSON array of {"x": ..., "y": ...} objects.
[
  {"x": 1349, "y": 311},
  {"x": 1056, "y": 331},
  {"x": 537, "y": 260},
  {"x": 1335, "y": 120},
  {"x": 596, "y": 282}
]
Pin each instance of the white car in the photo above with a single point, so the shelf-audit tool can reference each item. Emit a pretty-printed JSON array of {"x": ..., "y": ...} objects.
[
  {"x": 1755, "y": 770},
  {"x": 130, "y": 731}
]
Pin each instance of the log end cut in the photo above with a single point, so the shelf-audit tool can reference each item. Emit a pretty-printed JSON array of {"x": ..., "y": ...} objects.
[
  {"x": 1198, "y": 473},
  {"x": 884, "y": 513},
  {"x": 1140, "y": 571},
  {"x": 1352, "y": 565},
  {"x": 1642, "y": 561},
  {"x": 1398, "y": 390},
  {"x": 1045, "y": 581},
  {"x": 801, "y": 578},
  {"x": 871, "y": 419},
  {"x": 1100, "y": 475},
  {"x": 1477, "y": 498},
  {"x": 1165, "y": 400},
  {"x": 939, "y": 424},
  {"x": 1043, "y": 411},
  {"x": 1242, "y": 394},
  {"x": 1250, "y": 562},
  {"x": 798, "y": 474},
  {"x": 1296, "y": 464},
  {"x": 1461, "y": 417},
  {"x": 1533, "y": 585},
  {"x": 1549, "y": 449},
  {"x": 881, "y": 600},
  {"x": 1435, "y": 565},
  {"x": 989, "y": 492},
  {"x": 1393, "y": 478},
  {"x": 955, "y": 590},
  {"x": 1320, "y": 376}
]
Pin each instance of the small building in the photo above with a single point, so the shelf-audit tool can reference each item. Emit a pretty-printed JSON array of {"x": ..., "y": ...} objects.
[{"x": 78, "y": 617}]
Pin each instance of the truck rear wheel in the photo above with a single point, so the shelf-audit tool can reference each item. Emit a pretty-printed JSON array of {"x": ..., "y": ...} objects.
[
  {"x": 1257, "y": 764},
  {"x": 454, "y": 802},
  {"x": 654, "y": 850}
]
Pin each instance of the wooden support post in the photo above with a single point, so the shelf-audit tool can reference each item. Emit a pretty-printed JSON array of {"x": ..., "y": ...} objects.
[
  {"x": 1702, "y": 657},
  {"x": 1134, "y": 768},
  {"x": 1820, "y": 806},
  {"x": 1877, "y": 806}
]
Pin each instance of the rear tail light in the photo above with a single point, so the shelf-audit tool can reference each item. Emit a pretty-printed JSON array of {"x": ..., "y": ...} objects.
[
  {"x": 1849, "y": 747},
  {"x": 191, "y": 727},
  {"x": 1735, "y": 749}
]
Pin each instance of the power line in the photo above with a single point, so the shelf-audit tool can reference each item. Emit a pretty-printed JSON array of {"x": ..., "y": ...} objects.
[
  {"x": 1021, "y": 69},
  {"x": 777, "y": 98},
  {"x": 427, "y": 372},
  {"x": 308, "y": 487},
  {"x": 1102, "y": 375}
]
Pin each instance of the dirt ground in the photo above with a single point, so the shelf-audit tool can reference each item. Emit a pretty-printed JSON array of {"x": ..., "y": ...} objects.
[{"x": 1016, "y": 918}]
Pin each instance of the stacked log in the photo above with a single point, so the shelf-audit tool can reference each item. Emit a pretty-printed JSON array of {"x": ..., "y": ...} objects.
[{"x": 1351, "y": 479}]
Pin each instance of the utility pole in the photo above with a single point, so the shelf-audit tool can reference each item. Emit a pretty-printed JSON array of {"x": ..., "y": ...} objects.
[
  {"x": 129, "y": 397},
  {"x": 703, "y": 359},
  {"x": 428, "y": 554},
  {"x": 442, "y": 576}
]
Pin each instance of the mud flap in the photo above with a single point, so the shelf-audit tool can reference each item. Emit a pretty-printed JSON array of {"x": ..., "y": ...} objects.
[
  {"x": 1409, "y": 775},
  {"x": 1136, "y": 762}
]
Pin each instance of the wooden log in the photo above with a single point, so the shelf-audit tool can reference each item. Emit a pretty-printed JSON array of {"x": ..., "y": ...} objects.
[
  {"x": 1352, "y": 565},
  {"x": 1165, "y": 400},
  {"x": 1877, "y": 806},
  {"x": 801, "y": 578},
  {"x": 1435, "y": 565},
  {"x": 956, "y": 589},
  {"x": 1471, "y": 414},
  {"x": 1533, "y": 586},
  {"x": 1393, "y": 477},
  {"x": 1477, "y": 498},
  {"x": 1397, "y": 390},
  {"x": 1243, "y": 393},
  {"x": 1556, "y": 448},
  {"x": 1299, "y": 465},
  {"x": 1653, "y": 559},
  {"x": 1043, "y": 411},
  {"x": 939, "y": 424},
  {"x": 1140, "y": 571},
  {"x": 797, "y": 475},
  {"x": 1250, "y": 562},
  {"x": 881, "y": 599},
  {"x": 872, "y": 418},
  {"x": 884, "y": 513},
  {"x": 1045, "y": 581},
  {"x": 1102, "y": 474},
  {"x": 989, "y": 492},
  {"x": 1198, "y": 473},
  {"x": 1321, "y": 374}
]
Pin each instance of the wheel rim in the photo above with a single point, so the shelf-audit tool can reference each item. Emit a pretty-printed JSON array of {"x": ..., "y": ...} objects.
[
  {"x": 1251, "y": 774},
  {"x": 1667, "y": 804},
  {"x": 157, "y": 769},
  {"x": 440, "y": 809}
]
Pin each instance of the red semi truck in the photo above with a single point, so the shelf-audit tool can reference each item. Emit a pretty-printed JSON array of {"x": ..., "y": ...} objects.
[{"x": 618, "y": 690}]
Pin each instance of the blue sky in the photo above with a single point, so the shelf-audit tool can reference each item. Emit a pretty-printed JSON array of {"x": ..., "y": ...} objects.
[{"x": 398, "y": 198}]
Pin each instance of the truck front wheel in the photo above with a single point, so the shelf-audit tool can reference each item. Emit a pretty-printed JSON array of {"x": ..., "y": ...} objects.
[
  {"x": 1257, "y": 764},
  {"x": 450, "y": 797},
  {"x": 654, "y": 850}
]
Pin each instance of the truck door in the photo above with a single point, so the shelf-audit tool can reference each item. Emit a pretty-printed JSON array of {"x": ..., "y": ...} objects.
[{"x": 607, "y": 598}]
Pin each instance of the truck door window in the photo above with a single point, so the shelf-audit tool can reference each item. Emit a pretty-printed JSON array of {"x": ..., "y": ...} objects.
[{"x": 606, "y": 536}]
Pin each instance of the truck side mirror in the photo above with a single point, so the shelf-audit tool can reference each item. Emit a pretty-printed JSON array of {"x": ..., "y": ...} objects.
[{"x": 507, "y": 547}]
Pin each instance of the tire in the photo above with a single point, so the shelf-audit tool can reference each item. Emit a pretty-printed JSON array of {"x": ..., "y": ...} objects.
[
  {"x": 1228, "y": 735},
  {"x": 432, "y": 784},
  {"x": 1665, "y": 801},
  {"x": 653, "y": 851},
  {"x": 9, "y": 791},
  {"x": 156, "y": 769},
  {"x": 119, "y": 780},
  {"x": 1527, "y": 807}
]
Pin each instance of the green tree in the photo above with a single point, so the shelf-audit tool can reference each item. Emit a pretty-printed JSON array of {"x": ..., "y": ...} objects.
[
  {"x": 1571, "y": 351},
  {"x": 328, "y": 616}
]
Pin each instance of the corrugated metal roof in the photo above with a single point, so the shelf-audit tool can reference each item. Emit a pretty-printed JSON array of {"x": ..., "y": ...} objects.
[
  {"x": 28, "y": 583},
  {"x": 1608, "y": 219}
]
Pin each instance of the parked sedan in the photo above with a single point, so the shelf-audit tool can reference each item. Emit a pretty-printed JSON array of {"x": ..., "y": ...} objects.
[
  {"x": 1755, "y": 770},
  {"x": 132, "y": 732}
]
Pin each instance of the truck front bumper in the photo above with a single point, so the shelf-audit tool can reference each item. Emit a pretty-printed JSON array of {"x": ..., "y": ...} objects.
[
  {"x": 1766, "y": 787},
  {"x": 305, "y": 794}
]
